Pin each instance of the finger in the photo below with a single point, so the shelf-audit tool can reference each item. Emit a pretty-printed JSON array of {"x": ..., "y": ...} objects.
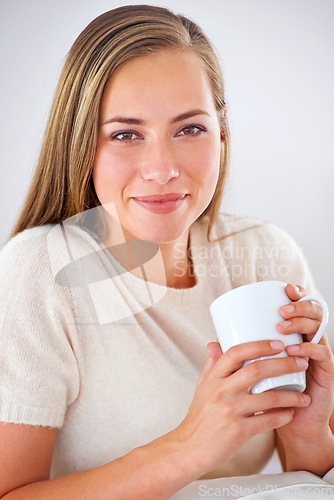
[
  {"x": 273, "y": 399},
  {"x": 254, "y": 372},
  {"x": 233, "y": 359},
  {"x": 298, "y": 325},
  {"x": 321, "y": 353},
  {"x": 214, "y": 350},
  {"x": 294, "y": 292},
  {"x": 305, "y": 308},
  {"x": 268, "y": 421}
]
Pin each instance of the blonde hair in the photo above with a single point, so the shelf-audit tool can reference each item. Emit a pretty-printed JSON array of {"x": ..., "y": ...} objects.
[{"x": 62, "y": 184}]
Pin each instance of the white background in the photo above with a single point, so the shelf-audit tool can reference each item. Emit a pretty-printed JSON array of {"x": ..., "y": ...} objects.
[{"x": 277, "y": 59}]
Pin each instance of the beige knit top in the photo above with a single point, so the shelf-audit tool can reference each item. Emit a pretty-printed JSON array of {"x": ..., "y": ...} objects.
[{"x": 109, "y": 358}]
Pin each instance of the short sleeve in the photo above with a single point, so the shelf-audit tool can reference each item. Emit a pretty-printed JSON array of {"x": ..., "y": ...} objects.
[{"x": 39, "y": 374}]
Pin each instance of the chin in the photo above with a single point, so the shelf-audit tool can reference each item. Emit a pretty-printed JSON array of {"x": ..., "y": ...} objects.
[{"x": 158, "y": 233}]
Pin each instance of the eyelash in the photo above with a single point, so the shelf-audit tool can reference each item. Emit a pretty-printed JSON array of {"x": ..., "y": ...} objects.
[{"x": 200, "y": 128}]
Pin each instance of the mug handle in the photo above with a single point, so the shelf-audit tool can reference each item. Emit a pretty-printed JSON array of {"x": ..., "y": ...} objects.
[{"x": 323, "y": 324}]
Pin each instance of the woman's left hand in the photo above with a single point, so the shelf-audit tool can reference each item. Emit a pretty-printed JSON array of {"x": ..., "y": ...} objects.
[{"x": 305, "y": 317}]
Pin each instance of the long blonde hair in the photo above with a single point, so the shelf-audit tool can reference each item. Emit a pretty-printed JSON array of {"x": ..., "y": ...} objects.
[{"x": 62, "y": 184}]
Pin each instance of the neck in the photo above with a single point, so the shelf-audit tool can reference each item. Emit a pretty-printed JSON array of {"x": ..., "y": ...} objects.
[
  {"x": 177, "y": 269},
  {"x": 178, "y": 264}
]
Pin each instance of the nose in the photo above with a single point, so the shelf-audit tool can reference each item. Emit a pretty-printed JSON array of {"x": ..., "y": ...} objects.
[{"x": 159, "y": 164}]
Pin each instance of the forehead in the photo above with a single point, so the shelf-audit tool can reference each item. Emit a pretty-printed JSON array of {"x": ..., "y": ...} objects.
[{"x": 158, "y": 83}]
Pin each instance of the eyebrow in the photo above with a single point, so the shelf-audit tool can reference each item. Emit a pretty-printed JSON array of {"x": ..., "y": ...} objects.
[{"x": 137, "y": 121}]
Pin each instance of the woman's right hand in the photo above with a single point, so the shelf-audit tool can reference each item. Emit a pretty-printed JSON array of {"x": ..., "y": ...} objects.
[{"x": 221, "y": 416}]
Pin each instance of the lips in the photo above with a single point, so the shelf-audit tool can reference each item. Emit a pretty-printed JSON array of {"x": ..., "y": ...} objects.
[
  {"x": 161, "y": 197},
  {"x": 161, "y": 203}
]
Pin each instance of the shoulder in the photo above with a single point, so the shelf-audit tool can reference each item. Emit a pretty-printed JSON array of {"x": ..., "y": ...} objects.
[
  {"x": 37, "y": 259},
  {"x": 26, "y": 279},
  {"x": 259, "y": 250},
  {"x": 29, "y": 239},
  {"x": 48, "y": 246},
  {"x": 25, "y": 251},
  {"x": 256, "y": 240},
  {"x": 259, "y": 233},
  {"x": 242, "y": 231}
]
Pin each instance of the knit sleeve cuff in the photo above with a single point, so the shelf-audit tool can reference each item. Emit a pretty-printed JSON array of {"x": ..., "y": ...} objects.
[{"x": 18, "y": 414}]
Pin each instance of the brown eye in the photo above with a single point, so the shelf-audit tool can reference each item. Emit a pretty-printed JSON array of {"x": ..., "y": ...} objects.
[
  {"x": 125, "y": 136},
  {"x": 188, "y": 130},
  {"x": 191, "y": 130}
]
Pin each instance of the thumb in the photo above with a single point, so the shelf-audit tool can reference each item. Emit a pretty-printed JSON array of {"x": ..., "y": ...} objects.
[
  {"x": 214, "y": 350},
  {"x": 207, "y": 367}
]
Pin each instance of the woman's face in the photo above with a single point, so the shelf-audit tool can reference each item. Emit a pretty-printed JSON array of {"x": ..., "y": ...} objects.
[{"x": 158, "y": 135}]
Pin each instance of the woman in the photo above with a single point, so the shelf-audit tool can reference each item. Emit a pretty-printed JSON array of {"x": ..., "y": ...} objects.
[{"x": 108, "y": 276}]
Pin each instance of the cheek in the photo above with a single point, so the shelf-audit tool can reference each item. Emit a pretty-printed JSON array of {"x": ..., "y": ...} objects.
[
  {"x": 110, "y": 173},
  {"x": 205, "y": 162}
]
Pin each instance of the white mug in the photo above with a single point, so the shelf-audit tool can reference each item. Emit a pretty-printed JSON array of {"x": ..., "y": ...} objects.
[{"x": 250, "y": 313}]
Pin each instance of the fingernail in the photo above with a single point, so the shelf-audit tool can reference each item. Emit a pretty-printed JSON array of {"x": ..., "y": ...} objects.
[
  {"x": 306, "y": 398},
  {"x": 276, "y": 344},
  {"x": 293, "y": 348},
  {"x": 301, "y": 362},
  {"x": 288, "y": 309},
  {"x": 285, "y": 324}
]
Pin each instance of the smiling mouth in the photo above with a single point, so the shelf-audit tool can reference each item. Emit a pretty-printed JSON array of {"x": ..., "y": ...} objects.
[
  {"x": 159, "y": 204},
  {"x": 159, "y": 198}
]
